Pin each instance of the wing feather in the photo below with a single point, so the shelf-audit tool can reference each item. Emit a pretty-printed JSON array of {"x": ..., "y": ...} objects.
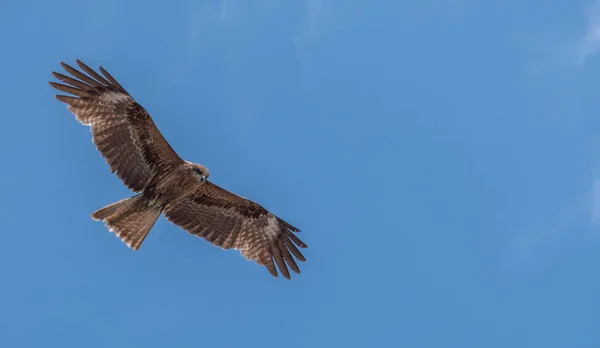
[
  {"x": 71, "y": 81},
  {"x": 81, "y": 75},
  {"x": 93, "y": 74},
  {"x": 123, "y": 132},
  {"x": 112, "y": 80},
  {"x": 233, "y": 222}
]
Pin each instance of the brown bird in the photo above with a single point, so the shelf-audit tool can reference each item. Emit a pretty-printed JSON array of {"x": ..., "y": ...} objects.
[{"x": 141, "y": 157}]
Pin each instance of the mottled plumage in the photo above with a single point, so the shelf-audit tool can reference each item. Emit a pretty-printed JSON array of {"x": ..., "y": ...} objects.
[{"x": 141, "y": 157}]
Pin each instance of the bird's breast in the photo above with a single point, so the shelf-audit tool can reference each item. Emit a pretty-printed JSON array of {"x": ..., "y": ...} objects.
[{"x": 174, "y": 185}]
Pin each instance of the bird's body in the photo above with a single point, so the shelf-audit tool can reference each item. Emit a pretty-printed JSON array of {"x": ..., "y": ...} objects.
[
  {"x": 177, "y": 183},
  {"x": 136, "y": 151}
]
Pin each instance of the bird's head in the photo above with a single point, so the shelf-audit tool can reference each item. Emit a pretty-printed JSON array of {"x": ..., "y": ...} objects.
[{"x": 201, "y": 171}]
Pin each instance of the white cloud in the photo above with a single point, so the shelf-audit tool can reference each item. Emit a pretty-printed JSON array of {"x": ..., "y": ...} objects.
[
  {"x": 589, "y": 44},
  {"x": 594, "y": 197},
  {"x": 225, "y": 15},
  {"x": 557, "y": 47},
  {"x": 540, "y": 240},
  {"x": 594, "y": 192},
  {"x": 566, "y": 231},
  {"x": 595, "y": 207},
  {"x": 314, "y": 15}
]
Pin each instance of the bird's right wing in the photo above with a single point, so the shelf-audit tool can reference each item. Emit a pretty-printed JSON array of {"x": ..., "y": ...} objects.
[
  {"x": 231, "y": 221},
  {"x": 122, "y": 130}
]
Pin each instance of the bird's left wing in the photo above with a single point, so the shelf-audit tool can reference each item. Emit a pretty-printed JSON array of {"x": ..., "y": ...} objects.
[
  {"x": 230, "y": 221},
  {"x": 122, "y": 130}
]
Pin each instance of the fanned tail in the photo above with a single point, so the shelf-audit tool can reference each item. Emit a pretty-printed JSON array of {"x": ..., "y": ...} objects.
[{"x": 131, "y": 219}]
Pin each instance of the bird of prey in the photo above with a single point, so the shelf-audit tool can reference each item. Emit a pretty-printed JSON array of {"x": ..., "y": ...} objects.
[{"x": 133, "y": 147}]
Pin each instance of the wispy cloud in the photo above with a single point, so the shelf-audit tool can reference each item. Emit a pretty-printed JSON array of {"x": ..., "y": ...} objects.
[
  {"x": 594, "y": 207},
  {"x": 589, "y": 44},
  {"x": 535, "y": 244},
  {"x": 315, "y": 11},
  {"x": 573, "y": 227},
  {"x": 225, "y": 15},
  {"x": 557, "y": 55},
  {"x": 577, "y": 225},
  {"x": 557, "y": 47}
]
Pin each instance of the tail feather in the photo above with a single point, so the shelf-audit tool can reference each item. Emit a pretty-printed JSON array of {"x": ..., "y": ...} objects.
[{"x": 131, "y": 219}]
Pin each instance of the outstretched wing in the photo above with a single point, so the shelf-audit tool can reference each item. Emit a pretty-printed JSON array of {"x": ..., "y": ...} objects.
[
  {"x": 122, "y": 130},
  {"x": 230, "y": 221}
]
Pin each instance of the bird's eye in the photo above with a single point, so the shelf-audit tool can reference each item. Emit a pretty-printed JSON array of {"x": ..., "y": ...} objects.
[{"x": 202, "y": 173}]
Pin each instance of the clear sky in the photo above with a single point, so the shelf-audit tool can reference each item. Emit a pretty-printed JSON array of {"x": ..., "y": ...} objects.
[{"x": 442, "y": 158}]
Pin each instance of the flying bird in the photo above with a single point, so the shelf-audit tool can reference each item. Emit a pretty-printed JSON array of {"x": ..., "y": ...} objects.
[{"x": 134, "y": 148}]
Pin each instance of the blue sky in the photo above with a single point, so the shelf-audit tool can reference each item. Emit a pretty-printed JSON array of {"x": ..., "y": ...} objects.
[{"x": 441, "y": 157}]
